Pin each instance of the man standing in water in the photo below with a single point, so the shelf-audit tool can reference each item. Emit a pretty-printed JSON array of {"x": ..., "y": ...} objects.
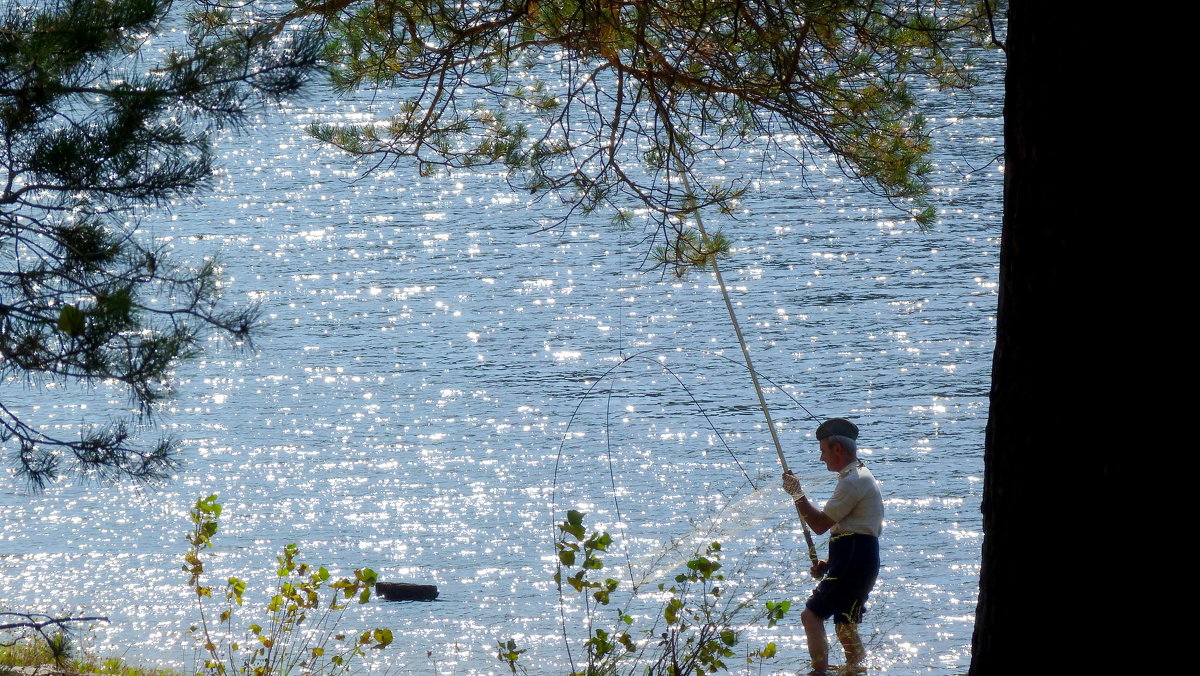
[{"x": 854, "y": 518}]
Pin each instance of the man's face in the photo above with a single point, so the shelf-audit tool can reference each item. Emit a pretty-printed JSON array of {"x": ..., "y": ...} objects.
[{"x": 831, "y": 455}]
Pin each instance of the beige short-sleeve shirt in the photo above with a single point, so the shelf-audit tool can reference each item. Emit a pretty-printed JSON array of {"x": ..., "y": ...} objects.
[{"x": 857, "y": 504}]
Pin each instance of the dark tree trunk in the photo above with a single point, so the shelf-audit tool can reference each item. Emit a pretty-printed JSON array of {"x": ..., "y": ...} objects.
[{"x": 1052, "y": 556}]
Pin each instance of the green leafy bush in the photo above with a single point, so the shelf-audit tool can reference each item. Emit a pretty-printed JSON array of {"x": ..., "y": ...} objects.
[
  {"x": 301, "y": 632},
  {"x": 697, "y": 630}
]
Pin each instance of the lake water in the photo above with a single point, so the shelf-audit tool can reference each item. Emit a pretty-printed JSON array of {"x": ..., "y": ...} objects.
[{"x": 417, "y": 401}]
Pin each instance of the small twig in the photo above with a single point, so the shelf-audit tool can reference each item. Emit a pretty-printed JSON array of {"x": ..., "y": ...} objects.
[{"x": 992, "y": 27}]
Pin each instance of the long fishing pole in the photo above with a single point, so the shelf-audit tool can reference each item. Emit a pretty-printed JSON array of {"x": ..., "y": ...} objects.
[{"x": 737, "y": 329}]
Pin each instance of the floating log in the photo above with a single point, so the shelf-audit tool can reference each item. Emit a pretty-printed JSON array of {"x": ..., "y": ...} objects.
[{"x": 405, "y": 591}]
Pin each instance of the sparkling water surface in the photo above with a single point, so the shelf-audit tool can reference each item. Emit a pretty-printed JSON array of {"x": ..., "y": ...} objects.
[{"x": 437, "y": 379}]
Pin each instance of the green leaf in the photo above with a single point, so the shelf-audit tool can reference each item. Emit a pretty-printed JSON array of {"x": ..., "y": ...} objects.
[
  {"x": 601, "y": 541},
  {"x": 70, "y": 321},
  {"x": 238, "y": 587},
  {"x": 776, "y": 611},
  {"x": 576, "y": 581},
  {"x": 209, "y": 505},
  {"x": 577, "y": 531},
  {"x": 671, "y": 611}
]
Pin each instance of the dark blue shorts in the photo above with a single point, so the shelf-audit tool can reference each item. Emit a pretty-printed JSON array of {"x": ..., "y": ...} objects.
[{"x": 853, "y": 567}]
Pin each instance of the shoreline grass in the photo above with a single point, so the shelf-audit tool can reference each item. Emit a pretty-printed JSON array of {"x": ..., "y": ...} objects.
[{"x": 28, "y": 656}]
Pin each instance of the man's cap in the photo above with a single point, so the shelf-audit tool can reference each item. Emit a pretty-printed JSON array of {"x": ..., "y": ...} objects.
[{"x": 837, "y": 427}]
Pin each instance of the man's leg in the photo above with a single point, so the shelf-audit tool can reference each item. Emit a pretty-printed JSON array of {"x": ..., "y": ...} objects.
[
  {"x": 818, "y": 645},
  {"x": 847, "y": 634}
]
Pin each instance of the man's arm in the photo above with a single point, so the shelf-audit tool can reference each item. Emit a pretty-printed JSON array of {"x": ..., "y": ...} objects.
[{"x": 817, "y": 520}]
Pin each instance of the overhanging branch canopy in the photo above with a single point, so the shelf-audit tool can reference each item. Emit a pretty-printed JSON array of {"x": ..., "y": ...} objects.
[
  {"x": 603, "y": 103},
  {"x": 95, "y": 134}
]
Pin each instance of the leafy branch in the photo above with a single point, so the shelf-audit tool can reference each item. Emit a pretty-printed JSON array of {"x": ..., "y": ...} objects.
[
  {"x": 621, "y": 104},
  {"x": 696, "y": 630},
  {"x": 301, "y": 633},
  {"x": 94, "y": 138}
]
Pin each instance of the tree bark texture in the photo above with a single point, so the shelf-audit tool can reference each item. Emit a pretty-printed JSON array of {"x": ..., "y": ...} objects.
[{"x": 1051, "y": 551}]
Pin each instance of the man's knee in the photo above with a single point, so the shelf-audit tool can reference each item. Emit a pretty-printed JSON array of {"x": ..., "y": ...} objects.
[{"x": 811, "y": 619}]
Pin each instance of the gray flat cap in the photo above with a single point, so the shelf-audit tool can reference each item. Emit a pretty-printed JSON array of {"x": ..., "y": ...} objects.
[{"x": 839, "y": 427}]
